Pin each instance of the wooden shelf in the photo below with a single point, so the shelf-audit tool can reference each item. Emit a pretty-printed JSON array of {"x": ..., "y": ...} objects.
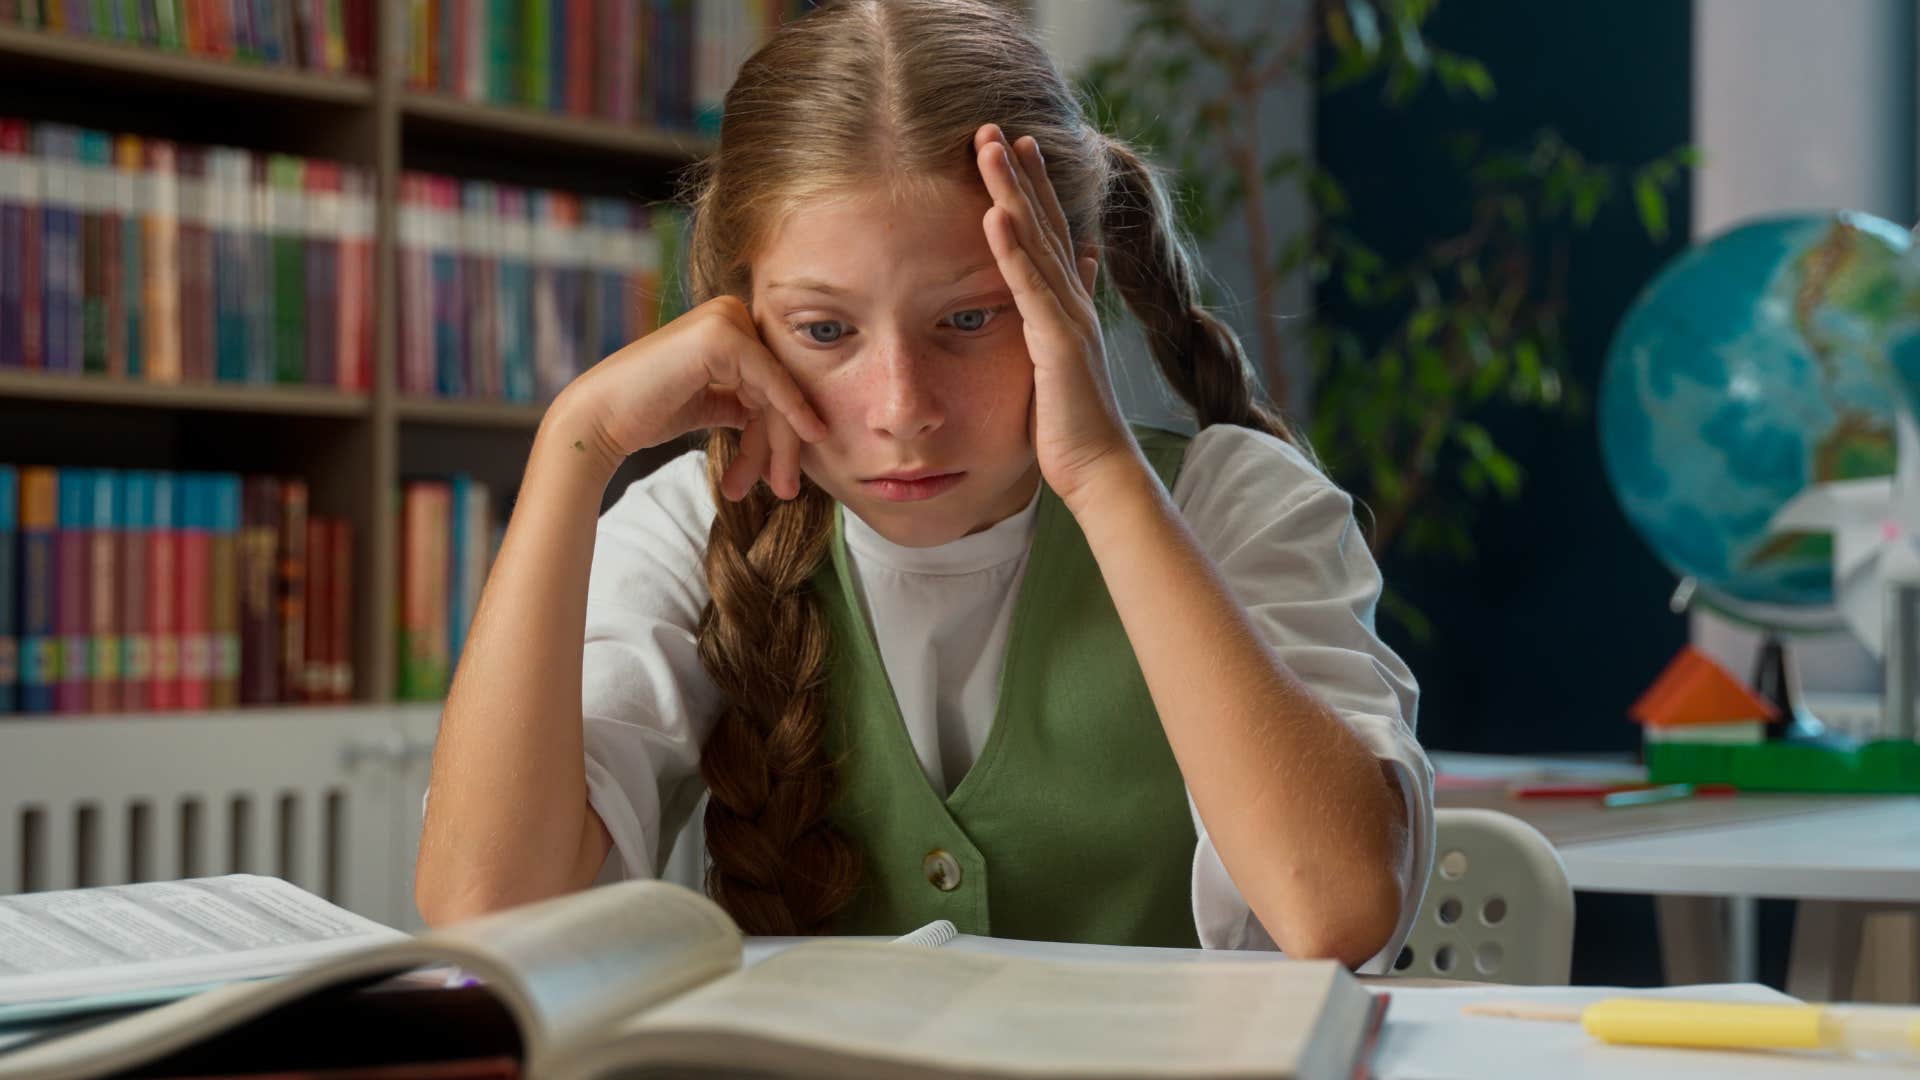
[
  {"x": 209, "y": 397},
  {"x": 503, "y": 125},
  {"x": 478, "y": 414},
  {"x": 140, "y": 65}
]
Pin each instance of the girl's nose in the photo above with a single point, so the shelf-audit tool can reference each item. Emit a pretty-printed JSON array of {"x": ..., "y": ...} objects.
[{"x": 905, "y": 404}]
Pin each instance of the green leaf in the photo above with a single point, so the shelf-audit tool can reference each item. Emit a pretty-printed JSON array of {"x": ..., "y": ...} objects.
[
  {"x": 1431, "y": 379},
  {"x": 1328, "y": 196},
  {"x": 1293, "y": 253},
  {"x": 1424, "y": 322},
  {"x": 1487, "y": 378},
  {"x": 1653, "y": 207},
  {"x": 1282, "y": 167},
  {"x": 1478, "y": 78},
  {"x": 1358, "y": 288}
]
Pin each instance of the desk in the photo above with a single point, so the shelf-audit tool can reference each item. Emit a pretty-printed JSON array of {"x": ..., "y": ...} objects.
[{"x": 1844, "y": 858}]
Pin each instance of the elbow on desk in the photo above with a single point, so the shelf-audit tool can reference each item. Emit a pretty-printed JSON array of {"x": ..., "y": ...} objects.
[{"x": 1352, "y": 929}]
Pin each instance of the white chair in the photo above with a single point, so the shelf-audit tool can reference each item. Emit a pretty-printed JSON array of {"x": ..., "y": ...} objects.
[{"x": 1498, "y": 907}]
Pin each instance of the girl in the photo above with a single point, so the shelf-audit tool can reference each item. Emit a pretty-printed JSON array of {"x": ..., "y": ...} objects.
[{"x": 936, "y": 630}]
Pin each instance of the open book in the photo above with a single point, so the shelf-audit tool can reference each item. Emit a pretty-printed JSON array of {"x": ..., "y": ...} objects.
[{"x": 645, "y": 977}]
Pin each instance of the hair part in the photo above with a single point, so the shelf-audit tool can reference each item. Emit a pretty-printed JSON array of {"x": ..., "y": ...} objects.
[{"x": 855, "y": 93}]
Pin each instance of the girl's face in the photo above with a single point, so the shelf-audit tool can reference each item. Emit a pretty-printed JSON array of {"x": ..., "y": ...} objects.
[{"x": 896, "y": 323}]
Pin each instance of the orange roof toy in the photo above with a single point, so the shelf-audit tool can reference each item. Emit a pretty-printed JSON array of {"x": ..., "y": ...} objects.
[{"x": 1695, "y": 690}]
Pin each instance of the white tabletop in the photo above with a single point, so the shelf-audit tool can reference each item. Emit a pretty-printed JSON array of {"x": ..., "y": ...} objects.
[
  {"x": 1868, "y": 850},
  {"x": 1810, "y": 847}
]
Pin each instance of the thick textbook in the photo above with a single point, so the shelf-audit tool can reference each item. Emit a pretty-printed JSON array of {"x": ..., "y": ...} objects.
[{"x": 646, "y": 977}]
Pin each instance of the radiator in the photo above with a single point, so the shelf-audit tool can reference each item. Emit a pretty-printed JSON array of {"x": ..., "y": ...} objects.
[{"x": 317, "y": 796}]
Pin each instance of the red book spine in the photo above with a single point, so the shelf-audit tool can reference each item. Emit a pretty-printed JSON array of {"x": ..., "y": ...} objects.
[
  {"x": 196, "y": 646},
  {"x": 579, "y": 56},
  {"x": 136, "y": 651},
  {"x": 290, "y": 588},
  {"x": 195, "y": 253},
  {"x": 340, "y": 610},
  {"x": 103, "y": 593},
  {"x": 316, "y": 675},
  {"x": 163, "y": 607}
]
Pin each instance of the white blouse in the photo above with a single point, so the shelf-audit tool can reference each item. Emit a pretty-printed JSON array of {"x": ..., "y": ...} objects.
[{"x": 1281, "y": 534}]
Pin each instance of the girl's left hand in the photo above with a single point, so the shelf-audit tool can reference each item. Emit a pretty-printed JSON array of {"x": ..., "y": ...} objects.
[{"x": 1074, "y": 421}]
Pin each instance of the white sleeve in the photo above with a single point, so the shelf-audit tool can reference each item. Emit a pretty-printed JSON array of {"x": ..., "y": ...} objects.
[
  {"x": 1285, "y": 540},
  {"x": 646, "y": 703}
]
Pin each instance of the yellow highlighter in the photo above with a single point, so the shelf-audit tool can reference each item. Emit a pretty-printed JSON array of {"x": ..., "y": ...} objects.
[{"x": 1881, "y": 1030}]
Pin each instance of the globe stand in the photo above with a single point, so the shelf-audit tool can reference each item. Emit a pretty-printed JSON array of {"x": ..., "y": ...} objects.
[
  {"x": 1776, "y": 680},
  {"x": 1775, "y": 677}
]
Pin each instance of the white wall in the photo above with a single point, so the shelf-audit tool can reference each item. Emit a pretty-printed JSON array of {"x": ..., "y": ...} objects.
[
  {"x": 1077, "y": 30},
  {"x": 1802, "y": 105}
]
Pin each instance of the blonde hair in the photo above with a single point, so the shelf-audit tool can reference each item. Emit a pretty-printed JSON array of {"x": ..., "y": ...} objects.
[{"x": 856, "y": 93}]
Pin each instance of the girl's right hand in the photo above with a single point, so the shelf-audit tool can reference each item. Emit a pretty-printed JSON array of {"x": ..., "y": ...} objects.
[{"x": 707, "y": 368}]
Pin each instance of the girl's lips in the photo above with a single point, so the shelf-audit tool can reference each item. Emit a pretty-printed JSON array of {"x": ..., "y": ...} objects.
[{"x": 911, "y": 490}]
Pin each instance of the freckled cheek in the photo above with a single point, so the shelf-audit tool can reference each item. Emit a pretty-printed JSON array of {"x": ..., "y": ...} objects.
[{"x": 833, "y": 399}]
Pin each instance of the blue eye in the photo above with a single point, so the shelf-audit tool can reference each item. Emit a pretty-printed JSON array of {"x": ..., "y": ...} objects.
[
  {"x": 973, "y": 319},
  {"x": 834, "y": 331}
]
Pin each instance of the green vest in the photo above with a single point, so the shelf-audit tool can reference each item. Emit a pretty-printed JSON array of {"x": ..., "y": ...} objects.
[{"x": 1072, "y": 824}]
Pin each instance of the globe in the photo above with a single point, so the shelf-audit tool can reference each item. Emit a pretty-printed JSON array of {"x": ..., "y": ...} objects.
[{"x": 1754, "y": 364}]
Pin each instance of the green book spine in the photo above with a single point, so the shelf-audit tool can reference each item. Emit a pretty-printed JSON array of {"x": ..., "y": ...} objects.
[
  {"x": 96, "y": 163},
  {"x": 503, "y": 29},
  {"x": 286, "y": 175},
  {"x": 166, "y": 17},
  {"x": 533, "y": 53}
]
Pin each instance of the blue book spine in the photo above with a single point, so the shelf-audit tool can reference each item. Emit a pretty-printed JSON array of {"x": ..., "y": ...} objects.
[
  {"x": 9, "y": 601},
  {"x": 462, "y": 492},
  {"x": 225, "y": 522},
  {"x": 71, "y": 614},
  {"x": 446, "y": 360},
  {"x": 39, "y": 646},
  {"x": 131, "y": 261}
]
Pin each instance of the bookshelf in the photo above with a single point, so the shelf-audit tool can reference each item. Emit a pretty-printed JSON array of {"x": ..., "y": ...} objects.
[{"x": 354, "y": 449}]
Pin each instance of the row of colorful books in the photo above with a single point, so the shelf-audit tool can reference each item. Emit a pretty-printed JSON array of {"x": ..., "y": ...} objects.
[
  {"x": 665, "y": 63},
  {"x": 330, "y": 36},
  {"x": 507, "y": 293},
  {"x": 136, "y": 590},
  {"x": 448, "y": 539},
  {"x": 129, "y": 256}
]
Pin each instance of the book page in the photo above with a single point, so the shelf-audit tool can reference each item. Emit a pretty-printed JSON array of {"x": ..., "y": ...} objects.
[
  {"x": 582, "y": 962},
  {"x": 566, "y": 969},
  {"x": 77, "y": 944},
  {"x": 960, "y": 1012}
]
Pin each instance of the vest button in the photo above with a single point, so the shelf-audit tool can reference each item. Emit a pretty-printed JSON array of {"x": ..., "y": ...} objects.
[{"x": 942, "y": 870}]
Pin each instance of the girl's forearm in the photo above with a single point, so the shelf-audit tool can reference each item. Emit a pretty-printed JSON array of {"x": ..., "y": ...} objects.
[
  {"x": 507, "y": 821},
  {"x": 1302, "y": 814}
]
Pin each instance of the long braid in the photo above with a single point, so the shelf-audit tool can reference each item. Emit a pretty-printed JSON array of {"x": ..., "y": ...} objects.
[
  {"x": 1148, "y": 263},
  {"x": 777, "y": 866}
]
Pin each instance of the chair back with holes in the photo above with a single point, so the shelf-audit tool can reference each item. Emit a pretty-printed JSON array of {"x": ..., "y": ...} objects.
[{"x": 1498, "y": 907}]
